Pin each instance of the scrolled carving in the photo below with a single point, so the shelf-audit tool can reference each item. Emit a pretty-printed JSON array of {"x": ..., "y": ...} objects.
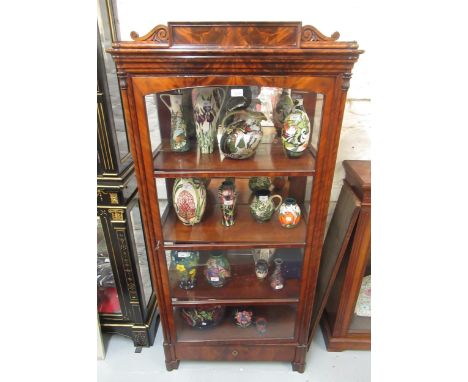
[
  {"x": 159, "y": 33},
  {"x": 310, "y": 33}
]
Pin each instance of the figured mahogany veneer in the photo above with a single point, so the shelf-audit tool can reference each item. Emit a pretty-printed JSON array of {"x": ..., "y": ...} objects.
[{"x": 278, "y": 54}]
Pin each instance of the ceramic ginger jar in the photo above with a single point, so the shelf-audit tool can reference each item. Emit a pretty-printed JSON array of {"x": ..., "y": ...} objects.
[{"x": 289, "y": 213}]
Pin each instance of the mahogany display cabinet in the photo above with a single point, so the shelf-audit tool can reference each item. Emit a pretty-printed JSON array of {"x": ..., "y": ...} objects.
[
  {"x": 126, "y": 300},
  {"x": 345, "y": 326},
  {"x": 257, "y": 65}
]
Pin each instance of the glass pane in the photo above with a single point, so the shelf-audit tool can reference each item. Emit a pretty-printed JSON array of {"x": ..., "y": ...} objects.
[
  {"x": 139, "y": 238},
  {"x": 361, "y": 320},
  {"x": 107, "y": 296},
  {"x": 235, "y": 322},
  {"x": 205, "y": 128},
  {"x": 265, "y": 210},
  {"x": 235, "y": 274}
]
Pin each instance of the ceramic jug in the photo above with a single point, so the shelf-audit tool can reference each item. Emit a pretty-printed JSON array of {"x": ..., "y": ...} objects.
[
  {"x": 179, "y": 138},
  {"x": 207, "y": 103},
  {"x": 241, "y": 137},
  {"x": 262, "y": 206},
  {"x": 189, "y": 198}
]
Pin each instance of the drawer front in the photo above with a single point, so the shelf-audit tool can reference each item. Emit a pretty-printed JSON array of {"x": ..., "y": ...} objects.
[{"x": 235, "y": 352}]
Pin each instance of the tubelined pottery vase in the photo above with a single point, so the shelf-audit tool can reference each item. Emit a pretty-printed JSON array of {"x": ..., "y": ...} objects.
[
  {"x": 207, "y": 103},
  {"x": 203, "y": 316},
  {"x": 243, "y": 317},
  {"x": 262, "y": 206},
  {"x": 289, "y": 213},
  {"x": 186, "y": 267},
  {"x": 179, "y": 138},
  {"x": 261, "y": 258},
  {"x": 282, "y": 109},
  {"x": 296, "y": 132},
  {"x": 217, "y": 270},
  {"x": 277, "y": 279},
  {"x": 259, "y": 183},
  {"x": 240, "y": 138},
  {"x": 189, "y": 198},
  {"x": 227, "y": 195}
]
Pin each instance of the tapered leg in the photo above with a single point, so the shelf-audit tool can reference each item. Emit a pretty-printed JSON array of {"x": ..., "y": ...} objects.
[
  {"x": 172, "y": 365},
  {"x": 299, "y": 367}
]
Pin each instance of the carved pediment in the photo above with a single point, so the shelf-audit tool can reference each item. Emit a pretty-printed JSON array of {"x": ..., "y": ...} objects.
[
  {"x": 310, "y": 33},
  {"x": 159, "y": 34}
]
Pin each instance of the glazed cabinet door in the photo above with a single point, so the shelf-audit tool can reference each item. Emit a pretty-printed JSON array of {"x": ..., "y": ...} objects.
[{"x": 233, "y": 174}]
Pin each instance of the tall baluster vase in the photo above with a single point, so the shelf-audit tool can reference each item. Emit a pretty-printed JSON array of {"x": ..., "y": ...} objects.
[{"x": 179, "y": 137}]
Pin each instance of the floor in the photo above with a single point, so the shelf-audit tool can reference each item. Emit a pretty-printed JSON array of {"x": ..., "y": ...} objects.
[{"x": 122, "y": 364}]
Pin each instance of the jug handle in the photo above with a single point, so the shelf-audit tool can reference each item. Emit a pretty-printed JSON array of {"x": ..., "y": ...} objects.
[
  {"x": 164, "y": 102},
  {"x": 223, "y": 91},
  {"x": 227, "y": 116},
  {"x": 280, "y": 201}
]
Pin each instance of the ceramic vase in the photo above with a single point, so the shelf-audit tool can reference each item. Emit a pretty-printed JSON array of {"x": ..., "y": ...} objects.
[
  {"x": 296, "y": 132},
  {"x": 277, "y": 279},
  {"x": 262, "y": 206},
  {"x": 179, "y": 135},
  {"x": 186, "y": 267},
  {"x": 259, "y": 183},
  {"x": 261, "y": 258},
  {"x": 207, "y": 102},
  {"x": 282, "y": 109},
  {"x": 289, "y": 213},
  {"x": 227, "y": 195},
  {"x": 189, "y": 198},
  {"x": 203, "y": 316},
  {"x": 217, "y": 270},
  {"x": 243, "y": 317},
  {"x": 240, "y": 138}
]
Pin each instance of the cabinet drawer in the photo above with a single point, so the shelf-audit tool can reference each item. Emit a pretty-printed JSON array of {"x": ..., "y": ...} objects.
[{"x": 235, "y": 352}]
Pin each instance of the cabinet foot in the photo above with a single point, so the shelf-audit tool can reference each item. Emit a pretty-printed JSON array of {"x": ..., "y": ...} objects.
[
  {"x": 299, "y": 367},
  {"x": 172, "y": 365}
]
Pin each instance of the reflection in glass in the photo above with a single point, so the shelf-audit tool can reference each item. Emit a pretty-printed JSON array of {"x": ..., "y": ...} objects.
[
  {"x": 107, "y": 296},
  {"x": 139, "y": 239}
]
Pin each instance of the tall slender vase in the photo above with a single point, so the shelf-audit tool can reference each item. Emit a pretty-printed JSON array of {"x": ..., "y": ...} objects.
[
  {"x": 227, "y": 197},
  {"x": 179, "y": 138},
  {"x": 207, "y": 103}
]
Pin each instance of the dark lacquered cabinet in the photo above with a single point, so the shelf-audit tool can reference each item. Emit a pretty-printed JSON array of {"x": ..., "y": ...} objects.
[
  {"x": 258, "y": 62},
  {"x": 126, "y": 300}
]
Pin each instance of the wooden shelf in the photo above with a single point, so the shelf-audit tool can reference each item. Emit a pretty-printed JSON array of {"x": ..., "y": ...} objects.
[
  {"x": 269, "y": 160},
  {"x": 245, "y": 233},
  {"x": 242, "y": 288},
  {"x": 281, "y": 320}
]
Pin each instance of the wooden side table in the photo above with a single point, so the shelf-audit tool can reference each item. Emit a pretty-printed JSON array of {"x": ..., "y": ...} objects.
[{"x": 341, "y": 327}]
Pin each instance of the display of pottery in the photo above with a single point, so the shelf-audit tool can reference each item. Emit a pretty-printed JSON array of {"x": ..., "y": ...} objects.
[
  {"x": 203, "y": 316},
  {"x": 282, "y": 109},
  {"x": 295, "y": 135},
  {"x": 262, "y": 206},
  {"x": 277, "y": 279},
  {"x": 189, "y": 198},
  {"x": 217, "y": 270},
  {"x": 227, "y": 195},
  {"x": 259, "y": 183},
  {"x": 243, "y": 317},
  {"x": 207, "y": 103},
  {"x": 289, "y": 213},
  {"x": 240, "y": 138},
  {"x": 186, "y": 267},
  {"x": 179, "y": 135}
]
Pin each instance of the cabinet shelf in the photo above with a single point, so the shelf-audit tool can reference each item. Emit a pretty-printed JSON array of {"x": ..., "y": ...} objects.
[
  {"x": 269, "y": 160},
  {"x": 245, "y": 233},
  {"x": 281, "y": 320},
  {"x": 242, "y": 288}
]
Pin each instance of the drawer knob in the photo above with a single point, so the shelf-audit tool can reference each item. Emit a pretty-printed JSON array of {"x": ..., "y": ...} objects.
[{"x": 234, "y": 353}]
